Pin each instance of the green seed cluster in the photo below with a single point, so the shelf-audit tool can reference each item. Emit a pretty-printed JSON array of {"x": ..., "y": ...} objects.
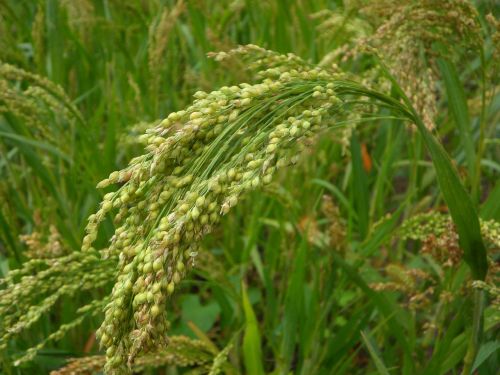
[
  {"x": 434, "y": 223},
  {"x": 421, "y": 226},
  {"x": 221, "y": 360},
  {"x": 493, "y": 291},
  {"x": 38, "y": 105},
  {"x": 415, "y": 284},
  {"x": 405, "y": 34},
  {"x": 200, "y": 162},
  {"x": 262, "y": 62},
  {"x": 182, "y": 352},
  {"x": 30, "y": 292},
  {"x": 43, "y": 246},
  {"x": 91, "y": 309}
]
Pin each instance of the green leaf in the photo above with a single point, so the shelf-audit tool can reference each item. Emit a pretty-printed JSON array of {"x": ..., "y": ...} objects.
[
  {"x": 443, "y": 345},
  {"x": 203, "y": 316},
  {"x": 460, "y": 206},
  {"x": 374, "y": 353},
  {"x": 360, "y": 187},
  {"x": 252, "y": 352},
  {"x": 490, "y": 210},
  {"x": 36, "y": 144},
  {"x": 459, "y": 203},
  {"x": 384, "y": 229},
  {"x": 342, "y": 200},
  {"x": 294, "y": 308},
  {"x": 388, "y": 309},
  {"x": 457, "y": 104},
  {"x": 486, "y": 350}
]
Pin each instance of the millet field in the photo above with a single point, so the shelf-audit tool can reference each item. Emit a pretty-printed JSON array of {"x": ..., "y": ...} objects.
[{"x": 277, "y": 187}]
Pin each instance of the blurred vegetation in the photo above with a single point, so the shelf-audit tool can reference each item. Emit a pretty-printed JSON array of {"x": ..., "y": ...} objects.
[{"x": 347, "y": 264}]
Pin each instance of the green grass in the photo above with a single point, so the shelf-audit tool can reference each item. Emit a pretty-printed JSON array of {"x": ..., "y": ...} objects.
[{"x": 286, "y": 285}]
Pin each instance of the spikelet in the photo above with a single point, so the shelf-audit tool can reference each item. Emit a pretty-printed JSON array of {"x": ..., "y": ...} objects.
[
  {"x": 43, "y": 105},
  {"x": 337, "y": 229},
  {"x": 494, "y": 24},
  {"x": 38, "y": 35},
  {"x": 159, "y": 33},
  {"x": 421, "y": 226},
  {"x": 492, "y": 289},
  {"x": 41, "y": 246},
  {"x": 405, "y": 36},
  {"x": 263, "y": 63},
  {"x": 28, "y": 293},
  {"x": 132, "y": 137},
  {"x": 220, "y": 360},
  {"x": 81, "y": 16},
  {"x": 415, "y": 285},
  {"x": 341, "y": 25},
  {"x": 182, "y": 352},
  {"x": 440, "y": 240},
  {"x": 85, "y": 365},
  {"x": 9, "y": 50}
]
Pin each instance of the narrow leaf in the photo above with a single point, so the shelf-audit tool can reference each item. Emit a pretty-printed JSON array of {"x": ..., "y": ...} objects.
[
  {"x": 457, "y": 104},
  {"x": 374, "y": 353},
  {"x": 252, "y": 352},
  {"x": 360, "y": 187},
  {"x": 485, "y": 352},
  {"x": 458, "y": 201}
]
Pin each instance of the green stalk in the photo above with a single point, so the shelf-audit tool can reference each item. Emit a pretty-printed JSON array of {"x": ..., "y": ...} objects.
[{"x": 477, "y": 329}]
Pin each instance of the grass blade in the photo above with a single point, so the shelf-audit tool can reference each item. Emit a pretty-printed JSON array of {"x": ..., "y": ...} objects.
[
  {"x": 360, "y": 187},
  {"x": 374, "y": 353},
  {"x": 457, "y": 104},
  {"x": 252, "y": 352},
  {"x": 459, "y": 203},
  {"x": 294, "y": 305},
  {"x": 485, "y": 352},
  {"x": 490, "y": 210},
  {"x": 386, "y": 307}
]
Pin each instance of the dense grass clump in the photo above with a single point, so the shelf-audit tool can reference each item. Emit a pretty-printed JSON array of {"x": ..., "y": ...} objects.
[{"x": 327, "y": 204}]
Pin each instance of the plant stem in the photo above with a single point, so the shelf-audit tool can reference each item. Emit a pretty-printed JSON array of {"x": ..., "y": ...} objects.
[
  {"x": 476, "y": 182},
  {"x": 477, "y": 329}
]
